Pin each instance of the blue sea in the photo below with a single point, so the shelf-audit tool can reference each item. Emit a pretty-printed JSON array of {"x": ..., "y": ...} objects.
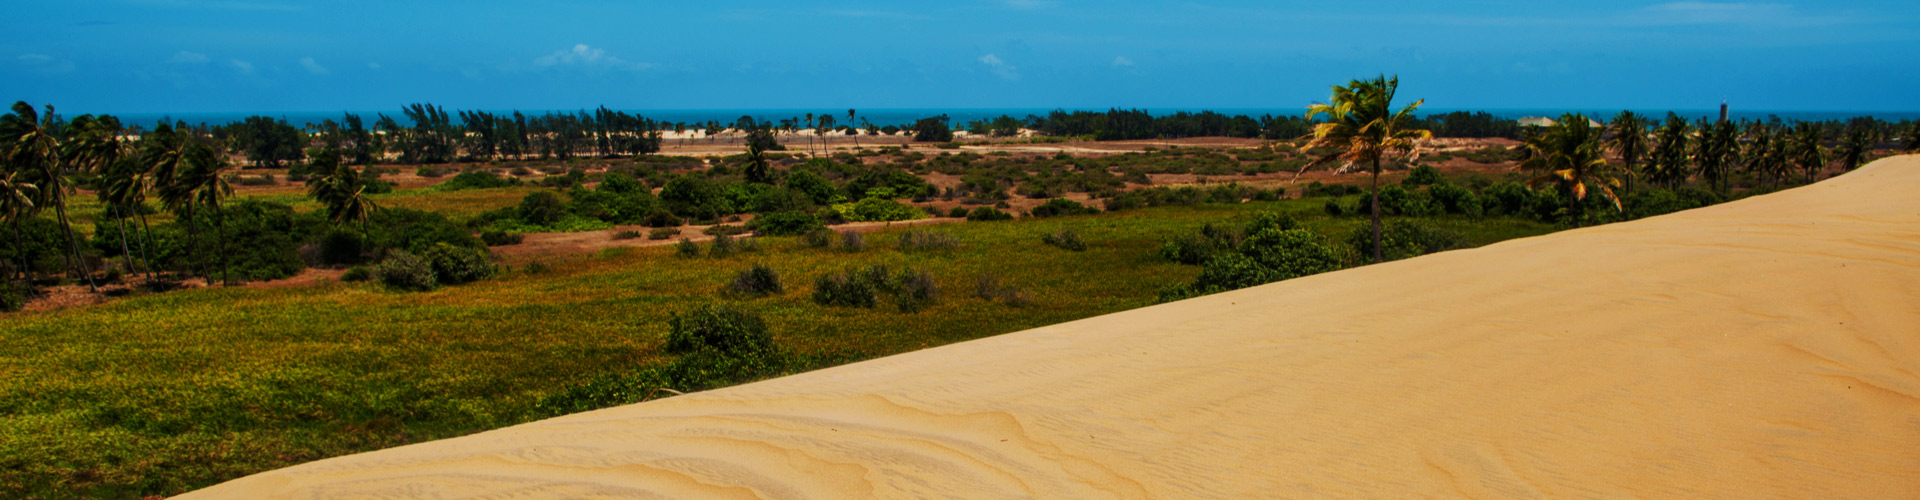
[{"x": 904, "y": 116}]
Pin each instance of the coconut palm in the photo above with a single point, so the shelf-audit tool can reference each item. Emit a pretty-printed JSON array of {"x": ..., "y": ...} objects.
[
  {"x": 1765, "y": 156},
  {"x": 1806, "y": 150},
  {"x": 124, "y": 187},
  {"x": 16, "y": 204},
  {"x": 184, "y": 163},
  {"x": 208, "y": 181},
  {"x": 1670, "y": 158},
  {"x": 32, "y": 143},
  {"x": 856, "y": 134},
  {"x": 1630, "y": 141},
  {"x": 1717, "y": 151},
  {"x": 1365, "y": 129},
  {"x": 1856, "y": 149},
  {"x": 340, "y": 189},
  {"x": 1569, "y": 155},
  {"x": 1913, "y": 137}
]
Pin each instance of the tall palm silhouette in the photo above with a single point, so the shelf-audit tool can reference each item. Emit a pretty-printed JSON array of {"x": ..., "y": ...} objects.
[
  {"x": 1569, "y": 155},
  {"x": 856, "y": 132},
  {"x": 1630, "y": 141},
  {"x": 1857, "y": 148},
  {"x": 1808, "y": 152},
  {"x": 31, "y": 143},
  {"x": 1364, "y": 128},
  {"x": 1670, "y": 156}
]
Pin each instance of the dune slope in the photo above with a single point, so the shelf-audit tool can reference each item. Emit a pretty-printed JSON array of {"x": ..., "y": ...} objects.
[{"x": 1766, "y": 348}]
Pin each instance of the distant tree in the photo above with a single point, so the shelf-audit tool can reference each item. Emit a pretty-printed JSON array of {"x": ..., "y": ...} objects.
[
  {"x": 1670, "y": 158},
  {"x": 1765, "y": 156},
  {"x": 266, "y": 142},
  {"x": 1913, "y": 137},
  {"x": 850, "y": 121},
  {"x": 1807, "y": 151},
  {"x": 1716, "y": 151},
  {"x": 1363, "y": 128},
  {"x": 758, "y": 171},
  {"x": 16, "y": 204},
  {"x": 1569, "y": 155},
  {"x": 1630, "y": 141},
  {"x": 932, "y": 129},
  {"x": 1857, "y": 148},
  {"x": 825, "y": 122}
]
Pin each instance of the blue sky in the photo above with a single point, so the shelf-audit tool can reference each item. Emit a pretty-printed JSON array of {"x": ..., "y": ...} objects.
[{"x": 134, "y": 56}]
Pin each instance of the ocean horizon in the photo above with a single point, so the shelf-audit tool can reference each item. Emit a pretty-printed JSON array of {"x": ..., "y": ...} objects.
[{"x": 906, "y": 116}]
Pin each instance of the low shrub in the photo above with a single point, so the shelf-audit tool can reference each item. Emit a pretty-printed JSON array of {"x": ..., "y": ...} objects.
[
  {"x": 722, "y": 247},
  {"x": 357, "y": 274},
  {"x": 406, "y": 271},
  {"x": 477, "y": 179},
  {"x": 957, "y": 213},
  {"x": 818, "y": 238},
  {"x": 661, "y": 218},
  {"x": 14, "y": 295},
  {"x": 1065, "y": 239},
  {"x": 1402, "y": 239},
  {"x": 990, "y": 286},
  {"x": 921, "y": 239},
  {"x": 843, "y": 290},
  {"x": 429, "y": 172},
  {"x": 724, "y": 230},
  {"x": 915, "y": 290},
  {"x": 454, "y": 265},
  {"x": 661, "y": 233},
  {"x": 341, "y": 246},
  {"x": 1062, "y": 206},
  {"x": 1423, "y": 175},
  {"x": 984, "y": 214},
  {"x": 687, "y": 248},
  {"x": 756, "y": 281},
  {"x": 718, "y": 328},
  {"x": 1269, "y": 255},
  {"x": 851, "y": 241},
  {"x": 784, "y": 224},
  {"x": 498, "y": 238},
  {"x": 628, "y": 235},
  {"x": 536, "y": 267}
]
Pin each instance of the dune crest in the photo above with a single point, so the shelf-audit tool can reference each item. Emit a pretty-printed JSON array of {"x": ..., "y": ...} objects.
[{"x": 1764, "y": 348}]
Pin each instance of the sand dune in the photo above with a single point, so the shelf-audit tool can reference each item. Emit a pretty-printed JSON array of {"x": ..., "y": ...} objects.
[{"x": 1766, "y": 348}]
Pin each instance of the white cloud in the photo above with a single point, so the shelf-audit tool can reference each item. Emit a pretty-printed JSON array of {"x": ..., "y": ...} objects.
[
  {"x": 189, "y": 58},
  {"x": 586, "y": 56},
  {"x": 241, "y": 66},
  {"x": 1000, "y": 68},
  {"x": 1122, "y": 62},
  {"x": 313, "y": 67},
  {"x": 45, "y": 64}
]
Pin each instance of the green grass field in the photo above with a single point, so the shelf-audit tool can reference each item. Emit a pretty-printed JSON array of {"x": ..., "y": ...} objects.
[{"x": 161, "y": 394}]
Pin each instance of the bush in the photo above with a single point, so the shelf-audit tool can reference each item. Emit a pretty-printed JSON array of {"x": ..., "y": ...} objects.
[
  {"x": 405, "y": 271},
  {"x": 429, "y": 172},
  {"x": 1062, "y": 206},
  {"x": 1272, "y": 254},
  {"x": 852, "y": 241},
  {"x": 724, "y": 230},
  {"x": 784, "y": 224},
  {"x": 627, "y": 235},
  {"x": 498, "y": 238},
  {"x": 661, "y": 233},
  {"x": 1334, "y": 208},
  {"x": 341, "y": 246},
  {"x": 880, "y": 210},
  {"x": 541, "y": 208},
  {"x": 454, "y": 265},
  {"x": 661, "y": 218},
  {"x": 756, "y": 281},
  {"x": 957, "y": 213},
  {"x": 990, "y": 286},
  {"x": 988, "y": 214},
  {"x": 13, "y": 296},
  {"x": 916, "y": 291},
  {"x": 477, "y": 179},
  {"x": 843, "y": 290},
  {"x": 356, "y": 274},
  {"x": 722, "y": 247},
  {"x": 1066, "y": 239},
  {"x": 687, "y": 248},
  {"x": 416, "y": 230},
  {"x": 536, "y": 267},
  {"x": 818, "y": 238},
  {"x": 718, "y": 328},
  {"x": 920, "y": 239},
  {"x": 1455, "y": 199},
  {"x": 1423, "y": 176},
  {"x": 1403, "y": 239}
]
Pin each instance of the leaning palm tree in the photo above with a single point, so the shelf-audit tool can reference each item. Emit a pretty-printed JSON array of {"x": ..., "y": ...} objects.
[
  {"x": 210, "y": 189},
  {"x": 340, "y": 190},
  {"x": 1365, "y": 129},
  {"x": 31, "y": 143},
  {"x": 1630, "y": 140},
  {"x": 179, "y": 189},
  {"x": 16, "y": 204},
  {"x": 856, "y": 134},
  {"x": 124, "y": 187},
  {"x": 1569, "y": 155}
]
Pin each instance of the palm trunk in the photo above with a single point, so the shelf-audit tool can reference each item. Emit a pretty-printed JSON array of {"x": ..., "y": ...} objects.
[
  {"x": 146, "y": 243},
  {"x": 1377, "y": 252},
  {"x": 1573, "y": 206},
  {"x": 20, "y": 250},
  {"x": 220, "y": 232},
  {"x": 126, "y": 256},
  {"x": 60, "y": 209},
  {"x": 193, "y": 241}
]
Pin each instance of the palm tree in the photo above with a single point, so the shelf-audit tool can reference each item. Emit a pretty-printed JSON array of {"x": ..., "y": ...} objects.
[
  {"x": 178, "y": 169},
  {"x": 1857, "y": 148},
  {"x": 124, "y": 187},
  {"x": 1364, "y": 128},
  {"x": 1716, "y": 151},
  {"x": 1807, "y": 152},
  {"x": 16, "y": 204},
  {"x": 1630, "y": 140},
  {"x": 30, "y": 143},
  {"x": 856, "y": 135},
  {"x": 1670, "y": 159},
  {"x": 1913, "y": 137},
  {"x": 1569, "y": 154},
  {"x": 826, "y": 124},
  {"x": 95, "y": 145},
  {"x": 210, "y": 188},
  {"x": 340, "y": 189},
  {"x": 1764, "y": 154}
]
